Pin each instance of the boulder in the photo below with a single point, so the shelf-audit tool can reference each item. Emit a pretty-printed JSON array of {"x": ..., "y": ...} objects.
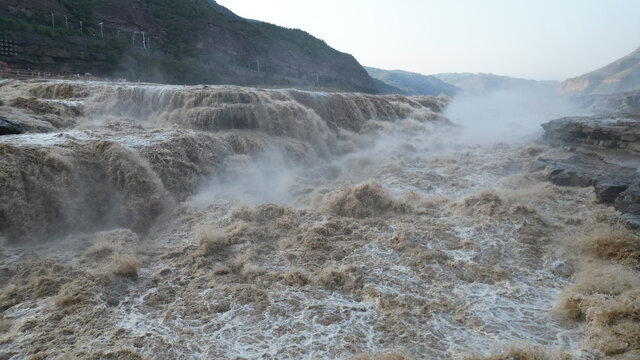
[
  {"x": 10, "y": 127},
  {"x": 608, "y": 190}
]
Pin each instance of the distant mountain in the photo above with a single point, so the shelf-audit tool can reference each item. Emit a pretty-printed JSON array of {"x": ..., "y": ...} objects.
[
  {"x": 408, "y": 83},
  {"x": 620, "y": 76},
  {"x": 384, "y": 88},
  {"x": 185, "y": 42},
  {"x": 486, "y": 83}
]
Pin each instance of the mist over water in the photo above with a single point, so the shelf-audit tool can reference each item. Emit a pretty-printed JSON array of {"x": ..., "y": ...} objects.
[
  {"x": 510, "y": 115},
  {"x": 267, "y": 178},
  {"x": 281, "y": 224}
]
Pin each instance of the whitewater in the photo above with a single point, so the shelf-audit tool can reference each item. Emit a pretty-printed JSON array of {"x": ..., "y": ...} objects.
[{"x": 215, "y": 222}]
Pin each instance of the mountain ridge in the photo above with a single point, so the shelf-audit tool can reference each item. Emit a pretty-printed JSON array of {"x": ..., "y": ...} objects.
[
  {"x": 451, "y": 84},
  {"x": 411, "y": 83},
  {"x": 487, "y": 82},
  {"x": 186, "y": 42},
  {"x": 622, "y": 75}
]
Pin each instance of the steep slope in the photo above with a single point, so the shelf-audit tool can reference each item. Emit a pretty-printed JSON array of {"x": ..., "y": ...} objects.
[
  {"x": 386, "y": 88},
  {"x": 185, "y": 42},
  {"x": 619, "y": 76},
  {"x": 487, "y": 83},
  {"x": 412, "y": 83}
]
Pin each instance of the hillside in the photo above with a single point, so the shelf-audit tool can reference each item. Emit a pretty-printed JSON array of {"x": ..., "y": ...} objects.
[
  {"x": 486, "y": 83},
  {"x": 408, "y": 83},
  {"x": 185, "y": 42},
  {"x": 619, "y": 76}
]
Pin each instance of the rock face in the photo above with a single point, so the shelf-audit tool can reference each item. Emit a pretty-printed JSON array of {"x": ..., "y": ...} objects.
[
  {"x": 619, "y": 76},
  {"x": 611, "y": 132},
  {"x": 606, "y": 157},
  {"x": 10, "y": 127},
  {"x": 609, "y": 180}
]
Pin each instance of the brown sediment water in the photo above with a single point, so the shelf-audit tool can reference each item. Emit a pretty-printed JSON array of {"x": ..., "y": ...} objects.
[{"x": 147, "y": 221}]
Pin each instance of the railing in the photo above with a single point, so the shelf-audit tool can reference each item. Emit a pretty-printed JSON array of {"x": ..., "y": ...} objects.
[{"x": 32, "y": 74}]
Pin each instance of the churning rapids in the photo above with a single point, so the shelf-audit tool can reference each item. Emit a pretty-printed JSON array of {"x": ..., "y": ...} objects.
[{"x": 148, "y": 221}]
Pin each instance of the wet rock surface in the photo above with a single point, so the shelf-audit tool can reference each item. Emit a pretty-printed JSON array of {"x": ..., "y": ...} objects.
[
  {"x": 605, "y": 149},
  {"x": 617, "y": 131},
  {"x": 10, "y": 127}
]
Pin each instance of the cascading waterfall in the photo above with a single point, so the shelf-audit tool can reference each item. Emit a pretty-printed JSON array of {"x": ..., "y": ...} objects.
[{"x": 229, "y": 222}]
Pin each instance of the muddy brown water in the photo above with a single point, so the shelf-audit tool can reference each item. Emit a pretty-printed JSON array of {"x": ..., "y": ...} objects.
[{"x": 227, "y": 222}]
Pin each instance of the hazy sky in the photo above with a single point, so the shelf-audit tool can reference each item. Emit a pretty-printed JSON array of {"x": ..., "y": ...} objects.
[{"x": 536, "y": 39}]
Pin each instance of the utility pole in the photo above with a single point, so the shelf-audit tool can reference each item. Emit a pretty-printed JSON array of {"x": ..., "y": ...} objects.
[
  {"x": 53, "y": 21},
  {"x": 144, "y": 40},
  {"x": 80, "y": 27},
  {"x": 66, "y": 24},
  {"x": 101, "y": 30}
]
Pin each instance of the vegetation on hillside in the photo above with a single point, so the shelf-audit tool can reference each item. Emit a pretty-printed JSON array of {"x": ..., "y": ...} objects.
[
  {"x": 82, "y": 10},
  {"x": 199, "y": 42}
]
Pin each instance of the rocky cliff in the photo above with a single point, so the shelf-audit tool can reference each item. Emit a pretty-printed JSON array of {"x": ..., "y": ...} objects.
[{"x": 620, "y": 76}]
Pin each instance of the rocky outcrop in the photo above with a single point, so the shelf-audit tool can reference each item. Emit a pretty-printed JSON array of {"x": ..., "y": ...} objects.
[
  {"x": 609, "y": 180},
  {"x": 615, "y": 185},
  {"x": 10, "y": 127},
  {"x": 620, "y": 131},
  {"x": 606, "y": 157}
]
